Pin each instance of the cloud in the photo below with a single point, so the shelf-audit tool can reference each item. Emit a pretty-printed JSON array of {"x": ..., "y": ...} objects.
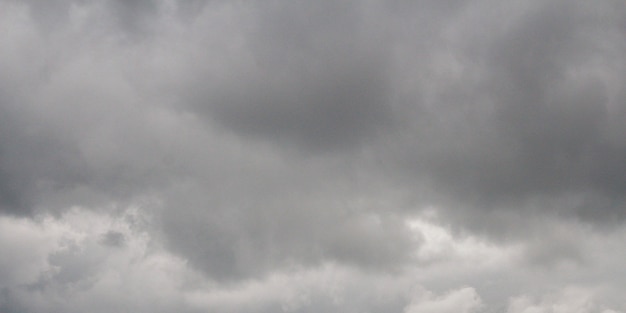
[
  {"x": 312, "y": 77},
  {"x": 522, "y": 113},
  {"x": 72, "y": 263},
  {"x": 456, "y": 141},
  {"x": 69, "y": 260},
  {"x": 571, "y": 299},
  {"x": 462, "y": 300}
]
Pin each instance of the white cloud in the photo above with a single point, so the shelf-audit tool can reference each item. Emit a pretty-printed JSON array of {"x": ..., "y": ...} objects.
[
  {"x": 567, "y": 300},
  {"x": 464, "y": 300},
  {"x": 439, "y": 245},
  {"x": 67, "y": 258}
]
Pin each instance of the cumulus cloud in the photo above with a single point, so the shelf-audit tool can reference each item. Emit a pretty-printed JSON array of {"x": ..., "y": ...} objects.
[
  {"x": 570, "y": 299},
  {"x": 70, "y": 260},
  {"x": 280, "y": 149},
  {"x": 463, "y": 300}
]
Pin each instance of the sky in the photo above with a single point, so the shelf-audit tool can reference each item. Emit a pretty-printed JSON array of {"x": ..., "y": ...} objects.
[{"x": 456, "y": 156}]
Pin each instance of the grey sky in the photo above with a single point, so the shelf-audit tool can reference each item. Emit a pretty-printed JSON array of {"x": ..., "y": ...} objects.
[{"x": 353, "y": 156}]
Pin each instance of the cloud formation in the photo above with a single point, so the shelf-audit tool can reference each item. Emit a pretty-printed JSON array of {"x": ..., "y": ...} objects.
[{"x": 431, "y": 156}]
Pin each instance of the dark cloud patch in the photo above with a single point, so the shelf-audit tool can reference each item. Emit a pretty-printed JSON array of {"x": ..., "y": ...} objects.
[
  {"x": 50, "y": 15},
  {"x": 113, "y": 239},
  {"x": 32, "y": 162},
  {"x": 189, "y": 10},
  {"x": 134, "y": 16},
  {"x": 317, "y": 114},
  {"x": 130, "y": 20},
  {"x": 534, "y": 121},
  {"x": 45, "y": 170},
  {"x": 8, "y": 303},
  {"x": 232, "y": 239},
  {"x": 313, "y": 77}
]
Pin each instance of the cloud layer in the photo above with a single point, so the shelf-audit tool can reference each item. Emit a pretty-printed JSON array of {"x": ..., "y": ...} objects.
[{"x": 429, "y": 156}]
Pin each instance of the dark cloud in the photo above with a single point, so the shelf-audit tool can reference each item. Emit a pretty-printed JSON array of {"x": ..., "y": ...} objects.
[
  {"x": 234, "y": 238},
  {"x": 128, "y": 18},
  {"x": 526, "y": 114},
  {"x": 113, "y": 239},
  {"x": 133, "y": 15},
  {"x": 263, "y": 138},
  {"x": 31, "y": 160},
  {"x": 313, "y": 77}
]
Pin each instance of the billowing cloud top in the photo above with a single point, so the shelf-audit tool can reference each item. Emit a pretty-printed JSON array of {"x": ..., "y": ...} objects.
[{"x": 335, "y": 156}]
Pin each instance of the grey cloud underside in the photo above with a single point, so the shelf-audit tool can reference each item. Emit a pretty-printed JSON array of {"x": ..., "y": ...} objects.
[
  {"x": 315, "y": 78},
  {"x": 260, "y": 127},
  {"x": 533, "y": 114}
]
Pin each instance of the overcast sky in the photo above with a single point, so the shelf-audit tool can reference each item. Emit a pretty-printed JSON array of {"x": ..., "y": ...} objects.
[{"x": 423, "y": 156}]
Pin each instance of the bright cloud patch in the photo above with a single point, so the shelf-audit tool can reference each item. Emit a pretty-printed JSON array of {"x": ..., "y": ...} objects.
[
  {"x": 102, "y": 262},
  {"x": 571, "y": 299}
]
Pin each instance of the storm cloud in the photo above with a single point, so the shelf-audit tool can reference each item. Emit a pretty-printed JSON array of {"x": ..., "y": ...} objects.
[{"x": 356, "y": 156}]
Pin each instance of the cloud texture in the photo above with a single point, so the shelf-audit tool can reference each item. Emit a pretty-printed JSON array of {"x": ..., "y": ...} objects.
[{"x": 355, "y": 156}]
